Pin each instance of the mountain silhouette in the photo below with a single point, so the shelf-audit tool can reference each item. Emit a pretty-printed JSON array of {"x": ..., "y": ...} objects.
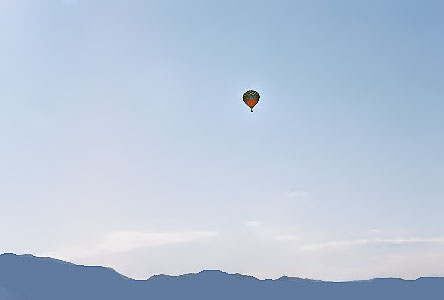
[{"x": 26, "y": 277}]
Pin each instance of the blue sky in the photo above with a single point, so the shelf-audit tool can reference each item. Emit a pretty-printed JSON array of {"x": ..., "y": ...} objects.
[{"x": 125, "y": 141}]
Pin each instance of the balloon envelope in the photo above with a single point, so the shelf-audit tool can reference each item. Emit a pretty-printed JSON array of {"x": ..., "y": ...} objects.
[{"x": 251, "y": 98}]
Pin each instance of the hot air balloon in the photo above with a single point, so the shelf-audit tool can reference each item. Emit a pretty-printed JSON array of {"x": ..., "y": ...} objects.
[{"x": 251, "y": 98}]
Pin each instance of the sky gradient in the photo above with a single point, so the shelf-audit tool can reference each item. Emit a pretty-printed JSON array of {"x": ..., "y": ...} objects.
[{"x": 124, "y": 141}]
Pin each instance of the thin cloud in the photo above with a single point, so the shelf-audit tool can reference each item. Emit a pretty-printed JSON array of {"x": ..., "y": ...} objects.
[
  {"x": 301, "y": 198},
  {"x": 252, "y": 223},
  {"x": 287, "y": 237},
  {"x": 360, "y": 242},
  {"x": 265, "y": 232},
  {"x": 122, "y": 241}
]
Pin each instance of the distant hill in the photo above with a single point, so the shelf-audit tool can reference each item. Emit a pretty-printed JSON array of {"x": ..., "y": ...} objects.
[{"x": 26, "y": 277}]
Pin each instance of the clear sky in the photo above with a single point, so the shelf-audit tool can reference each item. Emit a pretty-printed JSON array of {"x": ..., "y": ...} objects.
[{"x": 124, "y": 141}]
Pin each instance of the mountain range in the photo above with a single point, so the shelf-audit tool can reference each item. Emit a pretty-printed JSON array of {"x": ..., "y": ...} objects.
[{"x": 26, "y": 277}]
